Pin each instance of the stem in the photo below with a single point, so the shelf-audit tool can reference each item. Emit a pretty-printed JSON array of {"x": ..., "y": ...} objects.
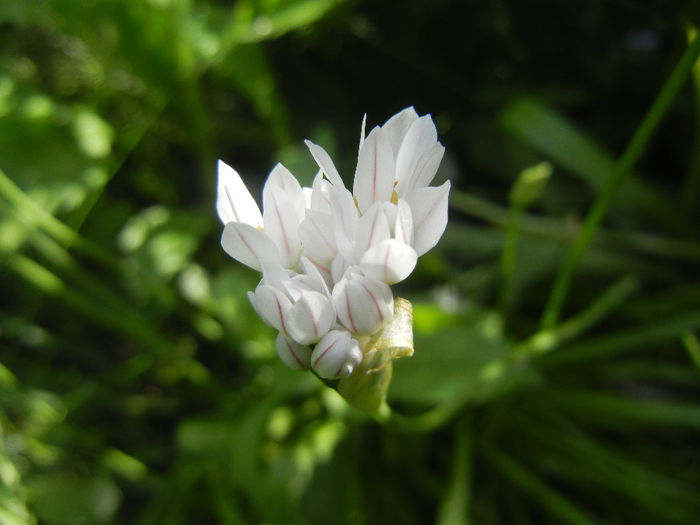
[
  {"x": 629, "y": 157},
  {"x": 509, "y": 259},
  {"x": 547, "y": 340},
  {"x": 549, "y": 228},
  {"x": 691, "y": 186}
]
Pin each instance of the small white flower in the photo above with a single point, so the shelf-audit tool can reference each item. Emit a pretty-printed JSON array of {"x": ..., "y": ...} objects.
[
  {"x": 250, "y": 236},
  {"x": 362, "y": 304},
  {"x": 299, "y": 307},
  {"x": 336, "y": 355}
]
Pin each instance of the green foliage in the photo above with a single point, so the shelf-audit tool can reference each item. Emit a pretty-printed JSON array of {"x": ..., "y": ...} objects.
[{"x": 137, "y": 385}]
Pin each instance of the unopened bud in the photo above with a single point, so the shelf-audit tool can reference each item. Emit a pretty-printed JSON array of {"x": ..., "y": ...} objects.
[{"x": 336, "y": 355}]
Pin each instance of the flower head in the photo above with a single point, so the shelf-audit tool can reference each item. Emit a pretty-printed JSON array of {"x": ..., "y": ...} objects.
[{"x": 328, "y": 254}]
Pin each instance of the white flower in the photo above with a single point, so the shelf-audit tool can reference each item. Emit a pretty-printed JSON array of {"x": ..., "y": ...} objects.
[
  {"x": 396, "y": 162},
  {"x": 336, "y": 355},
  {"x": 362, "y": 304},
  {"x": 299, "y": 306},
  {"x": 250, "y": 236},
  {"x": 309, "y": 241}
]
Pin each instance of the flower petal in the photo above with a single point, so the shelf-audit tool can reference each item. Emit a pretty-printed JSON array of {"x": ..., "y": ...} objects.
[
  {"x": 324, "y": 161},
  {"x": 362, "y": 135},
  {"x": 374, "y": 176},
  {"x": 292, "y": 354},
  {"x": 345, "y": 219},
  {"x": 272, "y": 305},
  {"x": 429, "y": 208},
  {"x": 372, "y": 228},
  {"x": 248, "y": 245},
  {"x": 282, "y": 178},
  {"x": 317, "y": 236},
  {"x": 321, "y": 194},
  {"x": 234, "y": 203},
  {"x": 362, "y": 305},
  {"x": 397, "y": 126},
  {"x": 417, "y": 156},
  {"x": 336, "y": 355},
  {"x": 282, "y": 224},
  {"x": 390, "y": 261},
  {"x": 403, "y": 227}
]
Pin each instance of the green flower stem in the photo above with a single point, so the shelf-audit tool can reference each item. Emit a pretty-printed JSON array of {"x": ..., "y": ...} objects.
[
  {"x": 633, "y": 151},
  {"x": 509, "y": 260},
  {"x": 454, "y": 508},
  {"x": 547, "y": 340},
  {"x": 545, "y": 227}
]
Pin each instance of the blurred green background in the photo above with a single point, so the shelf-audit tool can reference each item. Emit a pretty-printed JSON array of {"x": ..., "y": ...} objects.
[{"x": 137, "y": 385}]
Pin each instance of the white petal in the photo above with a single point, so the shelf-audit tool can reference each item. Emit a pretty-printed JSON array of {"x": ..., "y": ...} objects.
[
  {"x": 317, "y": 236},
  {"x": 310, "y": 317},
  {"x": 272, "y": 305},
  {"x": 403, "y": 228},
  {"x": 324, "y": 161},
  {"x": 234, "y": 203},
  {"x": 336, "y": 355},
  {"x": 372, "y": 228},
  {"x": 273, "y": 273},
  {"x": 313, "y": 273},
  {"x": 282, "y": 224},
  {"x": 345, "y": 219},
  {"x": 362, "y": 135},
  {"x": 420, "y": 141},
  {"x": 374, "y": 176},
  {"x": 282, "y": 178},
  {"x": 390, "y": 261},
  {"x": 292, "y": 354},
  {"x": 426, "y": 167},
  {"x": 248, "y": 245},
  {"x": 363, "y": 305},
  {"x": 397, "y": 126},
  {"x": 338, "y": 267},
  {"x": 308, "y": 196},
  {"x": 320, "y": 194},
  {"x": 429, "y": 208}
]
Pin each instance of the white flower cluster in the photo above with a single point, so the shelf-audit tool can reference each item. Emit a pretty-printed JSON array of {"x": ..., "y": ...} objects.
[{"x": 327, "y": 255}]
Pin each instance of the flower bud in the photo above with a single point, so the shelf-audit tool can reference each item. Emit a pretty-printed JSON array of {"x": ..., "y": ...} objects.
[
  {"x": 336, "y": 355},
  {"x": 362, "y": 304},
  {"x": 292, "y": 354}
]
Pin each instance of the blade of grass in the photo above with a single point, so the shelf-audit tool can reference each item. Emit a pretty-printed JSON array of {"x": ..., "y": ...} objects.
[
  {"x": 632, "y": 339},
  {"x": 556, "y": 504},
  {"x": 692, "y": 345},
  {"x": 454, "y": 508},
  {"x": 547, "y": 340},
  {"x": 610, "y": 410},
  {"x": 691, "y": 185},
  {"x": 633, "y": 151},
  {"x": 539, "y": 226},
  {"x": 49, "y": 283},
  {"x": 585, "y": 460},
  {"x": 549, "y": 133}
]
